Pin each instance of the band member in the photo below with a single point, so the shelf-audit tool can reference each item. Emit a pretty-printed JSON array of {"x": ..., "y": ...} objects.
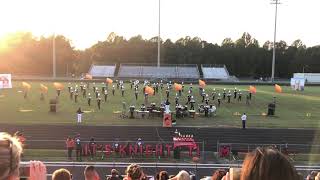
[
  {"x": 235, "y": 92},
  {"x": 157, "y": 87},
  {"x": 203, "y": 95},
  {"x": 206, "y": 100},
  {"x": 219, "y": 100},
  {"x": 99, "y": 102},
  {"x": 188, "y": 98},
  {"x": 248, "y": 99},
  {"x": 58, "y": 92},
  {"x": 229, "y": 96},
  {"x": 118, "y": 84},
  {"x": 192, "y": 101},
  {"x": 105, "y": 95},
  {"x": 239, "y": 95},
  {"x": 214, "y": 94},
  {"x": 94, "y": 87},
  {"x": 84, "y": 92},
  {"x": 122, "y": 90},
  {"x": 224, "y": 94},
  {"x": 89, "y": 99},
  {"x": 97, "y": 93},
  {"x": 167, "y": 92},
  {"x": 76, "y": 96},
  {"x": 71, "y": 94},
  {"x": 136, "y": 93},
  {"x": 113, "y": 90},
  {"x": 167, "y": 106},
  {"x": 177, "y": 99},
  {"x": 69, "y": 87}
]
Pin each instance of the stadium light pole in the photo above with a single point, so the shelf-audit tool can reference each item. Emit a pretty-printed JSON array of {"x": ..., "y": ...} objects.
[
  {"x": 276, "y": 2},
  {"x": 158, "y": 64},
  {"x": 54, "y": 56}
]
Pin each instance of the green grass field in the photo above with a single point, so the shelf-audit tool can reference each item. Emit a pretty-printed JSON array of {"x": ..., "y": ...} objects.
[{"x": 294, "y": 109}]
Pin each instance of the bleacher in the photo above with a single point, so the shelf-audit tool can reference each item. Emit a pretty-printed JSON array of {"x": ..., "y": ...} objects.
[
  {"x": 102, "y": 70},
  {"x": 164, "y": 71},
  {"x": 218, "y": 72},
  {"x": 129, "y": 71},
  {"x": 309, "y": 77},
  {"x": 188, "y": 72}
]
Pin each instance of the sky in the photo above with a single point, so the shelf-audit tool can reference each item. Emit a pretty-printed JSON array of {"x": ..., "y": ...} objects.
[{"x": 86, "y": 22}]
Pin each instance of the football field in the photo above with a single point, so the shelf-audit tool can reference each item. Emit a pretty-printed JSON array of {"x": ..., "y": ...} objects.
[{"x": 294, "y": 109}]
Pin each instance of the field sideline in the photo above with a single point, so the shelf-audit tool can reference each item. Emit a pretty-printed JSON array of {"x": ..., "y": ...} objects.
[{"x": 294, "y": 109}]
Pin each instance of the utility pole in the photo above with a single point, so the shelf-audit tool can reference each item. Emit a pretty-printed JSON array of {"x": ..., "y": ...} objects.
[
  {"x": 276, "y": 2},
  {"x": 54, "y": 56},
  {"x": 158, "y": 64}
]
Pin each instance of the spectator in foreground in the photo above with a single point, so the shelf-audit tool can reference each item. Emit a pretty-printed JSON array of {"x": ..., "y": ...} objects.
[
  {"x": 90, "y": 173},
  {"x": 134, "y": 172},
  {"x": 163, "y": 175},
  {"x": 10, "y": 153},
  {"x": 218, "y": 174},
  {"x": 312, "y": 175},
  {"x": 61, "y": 174},
  {"x": 267, "y": 164},
  {"x": 114, "y": 175},
  {"x": 318, "y": 176},
  {"x": 182, "y": 175}
]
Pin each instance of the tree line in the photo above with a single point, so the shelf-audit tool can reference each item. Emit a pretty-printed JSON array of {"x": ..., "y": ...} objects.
[{"x": 25, "y": 54}]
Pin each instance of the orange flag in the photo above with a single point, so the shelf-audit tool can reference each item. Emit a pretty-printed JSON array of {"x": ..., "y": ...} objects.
[
  {"x": 88, "y": 76},
  {"x": 277, "y": 88},
  {"x": 58, "y": 86},
  {"x": 26, "y": 86},
  {"x": 109, "y": 81},
  {"x": 149, "y": 90},
  {"x": 253, "y": 89},
  {"x": 43, "y": 88},
  {"x": 177, "y": 87},
  {"x": 202, "y": 83}
]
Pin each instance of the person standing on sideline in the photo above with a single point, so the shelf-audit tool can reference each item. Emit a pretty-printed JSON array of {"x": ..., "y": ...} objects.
[
  {"x": 92, "y": 148},
  {"x": 244, "y": 119},
  {"x": 70, "y": 146},
  {"x": 79, "y": 115},
  {"x": 78, "y": 148}
]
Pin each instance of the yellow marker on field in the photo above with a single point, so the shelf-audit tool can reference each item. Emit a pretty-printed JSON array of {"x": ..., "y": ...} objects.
[
  {"x": 25, "y": 110},
  {"x": 236, "y": 114}
]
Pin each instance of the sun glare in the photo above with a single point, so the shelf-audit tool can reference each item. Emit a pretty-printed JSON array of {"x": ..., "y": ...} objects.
[{"x": 3, "y": 44}]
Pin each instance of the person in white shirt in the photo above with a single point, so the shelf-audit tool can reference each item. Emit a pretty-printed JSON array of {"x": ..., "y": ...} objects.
[{"x": 244, "y": 119}]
